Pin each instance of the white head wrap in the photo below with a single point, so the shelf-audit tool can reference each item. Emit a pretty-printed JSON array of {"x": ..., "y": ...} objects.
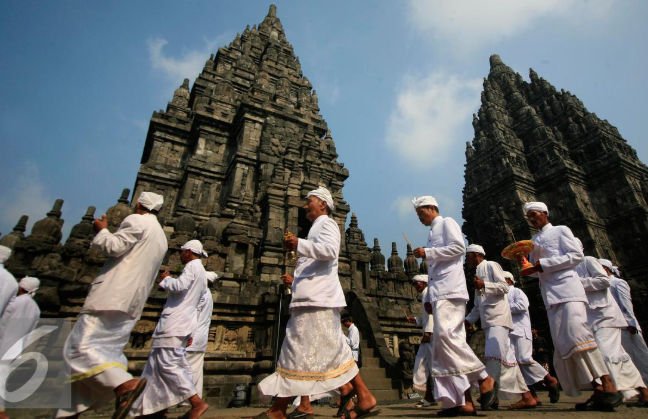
[
  {"x": 151, "y": 201},
  {"x": 420, "y": 278},
  {"x": 29, "y": 284},
  {"x": 195, "y": 246},
  {"x": 424, "y": 201},
  {"x": 607, "y": 263},
  {"x": 580, "y": 244},
  {"x": 475, "y": 248},
  {"x": 211, "y": 276},
  {"x": 616, "y": 271},
  {"x": 508, "y": 275},
  {"x": 535, "y": 206},
  {"x": 323, "y": 194},
  {"x": 5, "y": 252}
]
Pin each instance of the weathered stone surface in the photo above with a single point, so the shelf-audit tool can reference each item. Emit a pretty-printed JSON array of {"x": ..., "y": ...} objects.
[{"x": 535, "y": 143}]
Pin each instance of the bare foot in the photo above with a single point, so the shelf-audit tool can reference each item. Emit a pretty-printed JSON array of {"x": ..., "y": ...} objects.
[
  {"x": 198, "y": 410},
  {"x": 486, "y": 385},
  {"x": 524, "y": 404}
]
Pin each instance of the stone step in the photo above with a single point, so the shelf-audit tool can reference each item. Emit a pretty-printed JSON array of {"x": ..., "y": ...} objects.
[
  {"x": 386, "y": 395},
  {"x": 370, "y": 361},
  {"x": 373, "y": 374}
]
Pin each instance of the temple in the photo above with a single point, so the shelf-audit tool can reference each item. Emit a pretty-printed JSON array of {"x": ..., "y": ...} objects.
[
  {"x": 535, "y": 143},
  {"x": 235, "y": 153}
]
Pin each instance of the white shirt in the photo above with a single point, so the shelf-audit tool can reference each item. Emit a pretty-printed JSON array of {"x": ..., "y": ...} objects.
[
  {"x": 353, "y": 338},
  {"x": 444, "y": 256},
  {"x": 316, "y": 282},
  {"x": 8, "y": 288},
  {"x": 136, "y": 251},
  {"x": 621, "y": 293},
  {"x": 602, "y": 310},
  {"x": 559, "y": 253},
  {"x": 179, "y": 316},
  {"x": 204, "y": 317},
  {"x": 20, "y": 317},
  {"x": 425, "y": 320},
  {"x": 519, "y": 304},
  {"x": 491, "y": 302}
]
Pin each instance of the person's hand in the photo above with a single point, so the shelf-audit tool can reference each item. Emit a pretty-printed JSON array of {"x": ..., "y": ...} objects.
[
  {"x": 427, "y": 337},
  {"x": 428, "y": 307},
  {"x": 419, "y": 252},
  {"x": 100, "y": 223},
  {"x": 633, "y": 330},
  {"x": 161, "y": 278},
  {"x": 189, "y": 341},
  {"x": 478, "y": 283},
  {"x": 287, "y": 279},
  {"x": 290, "y": 241}
]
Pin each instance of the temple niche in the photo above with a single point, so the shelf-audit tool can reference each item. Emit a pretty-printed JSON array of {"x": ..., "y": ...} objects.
[
  {"x": 234, "y": 154},
  {"x": 533, "y": 142}
]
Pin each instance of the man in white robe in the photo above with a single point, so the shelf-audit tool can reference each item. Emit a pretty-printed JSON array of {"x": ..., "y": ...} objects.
[
  {"x": 167, "y": 370},
  {"x": 94, "y": 350},
  {"x": 20, "y": 317},
  {"x": 492, "y": 308},
  {"x": 314, "y": 357},
  {"x": 607, "y": 321},
  {"x": 8, "y": 284},
  {"x": 353, "y": 336},
  {"x": 421, "y": 378},
  {"x": 454, "y": 365},
  {"x": 522, "y": 341},
  {"x": 631, "y": 337},
  {"x": 577, "y": 359},
  {"x": 196, "y": 351}
]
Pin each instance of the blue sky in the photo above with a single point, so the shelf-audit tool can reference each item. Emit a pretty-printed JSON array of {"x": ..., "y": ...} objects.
[{"x": 397, "y": 82}]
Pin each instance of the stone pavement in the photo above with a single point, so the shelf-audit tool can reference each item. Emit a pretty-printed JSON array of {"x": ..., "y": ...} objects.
[{"x": 398, "y": 410}]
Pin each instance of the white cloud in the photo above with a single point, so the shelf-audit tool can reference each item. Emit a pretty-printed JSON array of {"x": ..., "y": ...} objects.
[
  {"x": 189, "y": 65},
  {"x": 430, "y": 116},
  {"x": 25, "y": 195},
  {"x": 465, "y": 25},
  {"x": 402, "y": 205}
]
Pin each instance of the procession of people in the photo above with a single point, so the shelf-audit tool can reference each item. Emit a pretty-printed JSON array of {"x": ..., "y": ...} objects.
[{"x": 598, "y": 344}]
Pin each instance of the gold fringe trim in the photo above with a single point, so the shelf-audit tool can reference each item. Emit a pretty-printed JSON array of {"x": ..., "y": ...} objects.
[
  {"x": 96, "y": 370},
  {"x": 316, "y": 376}
]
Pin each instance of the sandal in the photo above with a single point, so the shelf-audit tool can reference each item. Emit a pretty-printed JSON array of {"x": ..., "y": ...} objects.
[
  {"x": 360, "y": 413},
  {"x": 124, "y": 401},
  {"x": 298, "y": 414},
  {"x": 487, "y": 399},
  {"x": 344, "y": 400}
]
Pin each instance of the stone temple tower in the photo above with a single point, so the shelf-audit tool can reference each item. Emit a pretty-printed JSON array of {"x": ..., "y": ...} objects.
[
  {"x": 533, "y": 142},
  {"x": 238, "y": 152}
]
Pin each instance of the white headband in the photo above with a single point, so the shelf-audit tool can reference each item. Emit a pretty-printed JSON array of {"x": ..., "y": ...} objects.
[
  {"x": 475, "y": 248},
  {"x": 424, "y": 201},
  {"x": 535, "y": 206},
  {"x": 323, "y": 194}
]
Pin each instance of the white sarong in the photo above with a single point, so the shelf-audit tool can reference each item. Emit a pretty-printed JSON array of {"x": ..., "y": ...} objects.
[
  {"x": 169, "y": 379},
  {"x": 500, "y": 363},
  {"x": 314, "y": 357},
  {"x": 577, "y": 360},
  {"x": 622, "y": 370},
  {"x": 196, "y": 360},
  {"x": 635, "y": 346},
  {"x": 454, "y": 366},
  {"x": 94, "y": 359},
  {"x": 531, "y": 370},
  {"x": 421, "y": 370}
]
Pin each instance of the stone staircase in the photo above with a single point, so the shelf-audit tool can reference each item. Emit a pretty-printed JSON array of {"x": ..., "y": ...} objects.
[{"x": 375, "y": 376}]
